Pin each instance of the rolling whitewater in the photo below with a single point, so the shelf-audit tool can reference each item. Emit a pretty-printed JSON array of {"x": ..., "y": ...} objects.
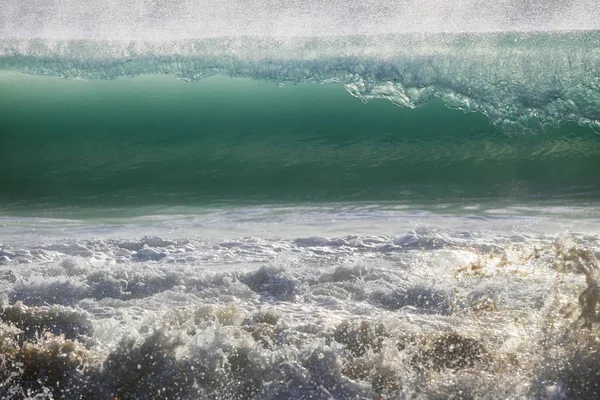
[{"x": 318, "y": 200}]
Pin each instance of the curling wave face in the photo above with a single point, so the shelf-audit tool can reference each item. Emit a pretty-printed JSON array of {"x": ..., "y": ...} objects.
[{"x": 156, "y": 140}]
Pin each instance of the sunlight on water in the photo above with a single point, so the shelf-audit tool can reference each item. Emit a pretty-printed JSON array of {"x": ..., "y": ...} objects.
[{"x": 332, "y": 200}]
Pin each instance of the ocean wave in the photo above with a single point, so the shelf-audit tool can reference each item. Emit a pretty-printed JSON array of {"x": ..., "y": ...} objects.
[{"x": 522, "y": 81}]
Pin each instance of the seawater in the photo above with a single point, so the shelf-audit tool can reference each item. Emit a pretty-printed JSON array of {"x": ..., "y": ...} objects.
[{"x": 396, "y": 216}]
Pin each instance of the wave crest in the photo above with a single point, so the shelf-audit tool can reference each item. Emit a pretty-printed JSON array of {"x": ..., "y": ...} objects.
[{"x": 517, "y": 80}]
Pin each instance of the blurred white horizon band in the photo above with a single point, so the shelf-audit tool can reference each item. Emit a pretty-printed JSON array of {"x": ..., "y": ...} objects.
[{"x": 188, "y": 19}]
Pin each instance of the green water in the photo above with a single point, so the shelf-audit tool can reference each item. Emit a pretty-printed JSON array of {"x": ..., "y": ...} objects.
[{"x": 154, "y": 139}]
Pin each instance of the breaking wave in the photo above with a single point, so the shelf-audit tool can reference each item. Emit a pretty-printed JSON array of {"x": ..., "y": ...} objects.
[{"x": 519, "y": 80}]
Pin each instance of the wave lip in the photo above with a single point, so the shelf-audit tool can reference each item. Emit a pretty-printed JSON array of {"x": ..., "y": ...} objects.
[{"x": 520, "y": 81}]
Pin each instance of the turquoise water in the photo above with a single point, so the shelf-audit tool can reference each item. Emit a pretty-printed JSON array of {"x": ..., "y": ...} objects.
[{"x": 154, "y": 139}]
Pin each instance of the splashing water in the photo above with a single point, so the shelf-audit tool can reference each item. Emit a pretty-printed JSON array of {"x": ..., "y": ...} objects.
[
  {"x": 257, "y": 233},
  {"x": 181, "y": 19}
]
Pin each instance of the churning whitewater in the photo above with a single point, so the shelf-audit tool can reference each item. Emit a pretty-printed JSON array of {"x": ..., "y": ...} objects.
[
  {"x": 246, "y": 200},
  {"x": 433, "y": 313}
]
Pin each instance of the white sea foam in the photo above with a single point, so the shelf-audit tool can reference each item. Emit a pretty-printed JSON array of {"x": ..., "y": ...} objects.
[{"x": 427, "y": 312}]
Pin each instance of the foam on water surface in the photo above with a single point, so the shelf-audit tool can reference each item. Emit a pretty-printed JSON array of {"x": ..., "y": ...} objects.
[{"x": 484, "y": 313}]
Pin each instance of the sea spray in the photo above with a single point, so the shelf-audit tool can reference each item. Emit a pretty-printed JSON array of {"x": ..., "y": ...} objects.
[
  {"x": 521, "y": 79},
  {"x": 319, "y": 327}
]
